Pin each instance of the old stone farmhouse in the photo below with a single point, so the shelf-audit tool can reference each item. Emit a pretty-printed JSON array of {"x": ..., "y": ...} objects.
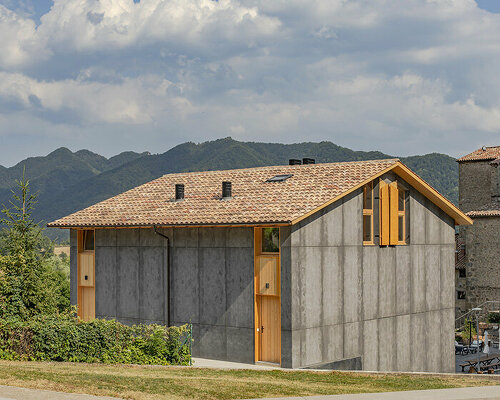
[
  {"x": 478, "y": 253},
  {"x": 341, "y": 265}
]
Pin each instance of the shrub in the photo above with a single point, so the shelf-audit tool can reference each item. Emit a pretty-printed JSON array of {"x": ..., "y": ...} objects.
[
  {"x": 494, "y": 317},
  {"x": 63, "y": 337}
]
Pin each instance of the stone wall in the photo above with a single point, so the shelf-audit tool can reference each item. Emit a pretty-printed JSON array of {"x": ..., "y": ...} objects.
[
  {"x": 475, "y": 185},
  {"x": 378, "y": 308},
  {"x": 482, "y": 241}
]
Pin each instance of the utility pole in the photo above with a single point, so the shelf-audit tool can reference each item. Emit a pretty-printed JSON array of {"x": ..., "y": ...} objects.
[{"x": 477, "y": 310}]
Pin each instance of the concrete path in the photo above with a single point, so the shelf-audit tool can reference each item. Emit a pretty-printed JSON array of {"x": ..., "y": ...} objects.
[
  {"x": 17, "y": 393},
  {"x": 218, "y": 364},
  {"x": 475, "y": 393}
]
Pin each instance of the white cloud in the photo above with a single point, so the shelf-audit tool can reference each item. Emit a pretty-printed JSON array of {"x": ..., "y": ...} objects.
[
  {"x": 362, "y": 73},
  {"x": 19, "y": 43}
]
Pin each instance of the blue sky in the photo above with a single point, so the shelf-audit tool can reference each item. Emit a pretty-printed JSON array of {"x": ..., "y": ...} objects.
[{"x": 403, "y": 77}]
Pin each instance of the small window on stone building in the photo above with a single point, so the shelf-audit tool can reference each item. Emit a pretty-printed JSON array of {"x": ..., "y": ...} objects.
[
  {"x": 462, "y": 273},
  {"x": 460, "y": 294},
  {"x": 368, "y": 213},
  {"x": 270, "y": 240}
]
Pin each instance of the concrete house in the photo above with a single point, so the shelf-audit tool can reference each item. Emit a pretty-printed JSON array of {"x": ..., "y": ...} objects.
[
  {"x": 478, "y": 263},
  {"x": 338, "y": 265}
]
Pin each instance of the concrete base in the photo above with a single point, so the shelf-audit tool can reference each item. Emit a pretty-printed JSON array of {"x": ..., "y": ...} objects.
[{"x": 472, "y": 393}]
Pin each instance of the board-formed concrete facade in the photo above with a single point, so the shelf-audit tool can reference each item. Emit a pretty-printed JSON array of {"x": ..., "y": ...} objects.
[
  {"x": 374, "y": 308},
  {"x": 343, "y": 305},
  {"x": 211, "y": 283}
]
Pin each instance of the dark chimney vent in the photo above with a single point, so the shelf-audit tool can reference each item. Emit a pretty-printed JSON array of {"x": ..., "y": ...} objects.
[
  {"x": 294, "y": 161},
  {"x": 226, "y": 190},
  {"x": 308, "y": 161},
  {"x": 179, "y": 192}
]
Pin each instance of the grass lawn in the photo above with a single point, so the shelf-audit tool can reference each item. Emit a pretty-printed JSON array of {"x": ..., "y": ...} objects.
[{"x": 137, "y": 382}]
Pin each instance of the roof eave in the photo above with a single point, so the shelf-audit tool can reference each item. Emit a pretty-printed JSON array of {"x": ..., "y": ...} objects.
[
  {"x": 414, "y": 180},
  {"x": 432, "y": 194},
  {"x": 160, "y": 225}
]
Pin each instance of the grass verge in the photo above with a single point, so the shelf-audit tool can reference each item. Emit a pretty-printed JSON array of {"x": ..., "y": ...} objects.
[{"x": 141, "y": 382}]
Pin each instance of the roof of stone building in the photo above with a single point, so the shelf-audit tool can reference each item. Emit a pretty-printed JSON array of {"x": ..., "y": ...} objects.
[
  {"x": 482, "y": 154},
  {"x": 254, "y": 200},
  {"x": 491, "y": 210}
]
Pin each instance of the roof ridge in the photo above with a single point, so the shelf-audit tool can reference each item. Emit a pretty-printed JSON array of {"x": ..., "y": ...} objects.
[
  {"x": 484, "y": 153},
  {"x": 263, "y": 167}
]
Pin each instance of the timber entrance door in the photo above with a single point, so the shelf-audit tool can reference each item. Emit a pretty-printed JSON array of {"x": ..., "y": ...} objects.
[
  {"x": 267, "y": 295},
  {"x": 86, "y": 275}
]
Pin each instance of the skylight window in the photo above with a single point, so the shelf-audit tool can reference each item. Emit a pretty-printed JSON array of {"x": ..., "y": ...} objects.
[{"x": 279, "y": 178}]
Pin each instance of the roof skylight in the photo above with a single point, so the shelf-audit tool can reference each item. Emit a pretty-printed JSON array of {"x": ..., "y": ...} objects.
[{"x": 279, "y": 178}]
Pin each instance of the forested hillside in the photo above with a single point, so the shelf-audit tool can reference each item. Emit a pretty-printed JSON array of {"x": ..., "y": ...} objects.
[{"x": 68, "y": 181}]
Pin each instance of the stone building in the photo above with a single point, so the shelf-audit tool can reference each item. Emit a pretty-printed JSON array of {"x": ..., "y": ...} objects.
[
  {"x": 478, "y": 268},
  {"x": 341, "y": 265}
]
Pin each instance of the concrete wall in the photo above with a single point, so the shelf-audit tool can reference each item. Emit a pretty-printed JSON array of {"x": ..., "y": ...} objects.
[
  {"x": 392, "y": 308},
  {"x": 211, "y": 284}
]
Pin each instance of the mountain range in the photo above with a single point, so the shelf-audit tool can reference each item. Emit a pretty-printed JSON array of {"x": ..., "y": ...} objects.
[{"x": 67, "y": 181}]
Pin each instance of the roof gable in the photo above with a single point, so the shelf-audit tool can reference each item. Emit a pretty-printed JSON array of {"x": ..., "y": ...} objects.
[{"x": 255, "y": 201}]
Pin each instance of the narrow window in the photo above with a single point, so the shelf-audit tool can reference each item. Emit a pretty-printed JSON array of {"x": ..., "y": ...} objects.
[
  {"x": 401, "y": 216},
  {"x": 88, "y": 240},
  {"x": 461, "y": 295},
  {"x": 270, "y": 240},
  {"x": 462, "y": 273},
  {"x": 368, "y": 213}
]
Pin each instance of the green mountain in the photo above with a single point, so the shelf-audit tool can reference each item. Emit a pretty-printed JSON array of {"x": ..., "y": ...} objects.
[{"x": 69, "y": 181}]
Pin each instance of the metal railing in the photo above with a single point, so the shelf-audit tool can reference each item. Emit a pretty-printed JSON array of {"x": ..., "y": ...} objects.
[{"x": 486, "y": 308}]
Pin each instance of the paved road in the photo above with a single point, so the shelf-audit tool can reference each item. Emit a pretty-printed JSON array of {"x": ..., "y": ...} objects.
[
  {"x": 17, "y": 393},
  {"x": 477, "y": 393}
]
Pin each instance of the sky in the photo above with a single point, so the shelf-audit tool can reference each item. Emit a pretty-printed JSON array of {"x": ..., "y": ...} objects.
[{"x": 403, "y": 77}]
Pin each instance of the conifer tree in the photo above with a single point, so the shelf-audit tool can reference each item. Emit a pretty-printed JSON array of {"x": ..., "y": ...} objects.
[{"x": 25, "y": 276}]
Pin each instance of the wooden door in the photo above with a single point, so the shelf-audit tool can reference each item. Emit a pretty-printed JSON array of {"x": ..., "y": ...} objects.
[
  {"x": 270, "y": 329},
  {"x": 267, "y": 303}
]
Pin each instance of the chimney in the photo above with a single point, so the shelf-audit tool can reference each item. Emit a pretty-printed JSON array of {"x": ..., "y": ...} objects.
[
  {"x": 308, "y": 161},
  {"x": 294, "y": 161},
  {"x": 226, "y": 190},
  {"x": 179, "y": 191}
]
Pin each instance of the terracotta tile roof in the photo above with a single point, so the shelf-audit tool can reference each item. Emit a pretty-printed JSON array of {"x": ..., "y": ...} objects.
[
  {"x": 490, "y": 153},
  {"x": 254, "y": 200},
  {"x": 491, "y": 210}
]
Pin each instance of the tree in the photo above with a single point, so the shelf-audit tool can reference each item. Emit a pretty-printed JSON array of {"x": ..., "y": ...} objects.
[
  {"x": 469, "y": 331},
  {"x": 26, "y": 279}
]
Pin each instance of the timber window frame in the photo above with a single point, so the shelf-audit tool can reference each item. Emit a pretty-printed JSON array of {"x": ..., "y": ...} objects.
[
  {"x": 393, "y": 214},
  {"x": 368, "y": 200}
]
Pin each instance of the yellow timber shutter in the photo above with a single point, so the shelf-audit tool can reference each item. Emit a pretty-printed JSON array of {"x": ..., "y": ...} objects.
[{"x": 384, "y": 213}]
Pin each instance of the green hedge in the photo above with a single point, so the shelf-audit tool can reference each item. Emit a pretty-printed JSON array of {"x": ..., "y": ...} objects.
[{"x": 66, "y": 338}]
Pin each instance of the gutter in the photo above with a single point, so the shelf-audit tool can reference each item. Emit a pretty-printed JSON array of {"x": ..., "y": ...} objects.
[{"x": 168, "y": 271}]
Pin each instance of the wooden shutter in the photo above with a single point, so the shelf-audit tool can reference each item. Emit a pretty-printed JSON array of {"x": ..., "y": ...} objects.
[
  {"x": 393, "y": 213},
  {"x": 384, "y": 213}
]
